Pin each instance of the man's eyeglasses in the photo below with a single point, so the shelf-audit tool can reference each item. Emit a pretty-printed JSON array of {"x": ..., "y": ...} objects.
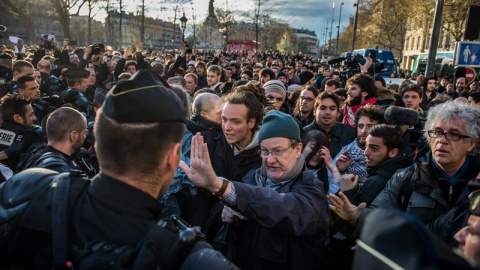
[
  {"x": 272, "y": 98},
  {"x": 309, "y": 99},
  {"x": 275, "y": 152},
  {"x": 451, "y": 136}
]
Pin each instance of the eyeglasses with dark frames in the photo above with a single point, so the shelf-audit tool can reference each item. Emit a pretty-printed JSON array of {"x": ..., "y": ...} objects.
[
  {"x": 451, "y": 136},
  {"x": 275, "y": 152}
]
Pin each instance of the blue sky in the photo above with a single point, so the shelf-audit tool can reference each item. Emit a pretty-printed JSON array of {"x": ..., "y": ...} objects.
[{"x": 309, "y": 14}]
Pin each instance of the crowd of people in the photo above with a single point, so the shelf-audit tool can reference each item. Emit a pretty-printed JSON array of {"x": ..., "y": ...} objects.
[{"x": 275, "y": 159}]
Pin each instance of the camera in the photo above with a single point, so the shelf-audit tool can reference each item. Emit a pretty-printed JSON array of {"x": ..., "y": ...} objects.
[
  {"x": 46, "y": 43},
  {"x": 98, "y": 48}
]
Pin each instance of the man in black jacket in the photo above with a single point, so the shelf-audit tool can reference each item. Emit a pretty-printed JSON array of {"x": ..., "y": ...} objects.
[
  {"x": 183, "y": 198},
  {"x": 383, "y": 157},
  {"x": 326, "y": 110},
  {"x": 236, "y": 152},
  {"x": 66, "y": 132}
]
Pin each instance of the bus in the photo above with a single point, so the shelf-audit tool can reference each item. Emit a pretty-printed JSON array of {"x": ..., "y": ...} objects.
[{"x": 443, "y": 64}]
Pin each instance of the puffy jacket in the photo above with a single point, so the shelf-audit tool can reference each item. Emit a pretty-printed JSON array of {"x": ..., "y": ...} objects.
[{"x": 442, "y": 208}]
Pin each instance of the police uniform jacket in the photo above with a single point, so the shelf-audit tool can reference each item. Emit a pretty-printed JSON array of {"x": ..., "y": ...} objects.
[
  {"x": 55, "y": 160},
  {"x": 79, "y": 100},
  {"x": 115, "y": 212},
  {"x": 11, "y": 132}
]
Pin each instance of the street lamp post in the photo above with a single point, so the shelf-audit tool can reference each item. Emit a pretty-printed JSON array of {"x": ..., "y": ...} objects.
[
  {"x": 224, "y": 32},
  {"x": 355, "y": 25},
  {"x": 338, "y": 26},
  {"x": 183, "y": 25}
]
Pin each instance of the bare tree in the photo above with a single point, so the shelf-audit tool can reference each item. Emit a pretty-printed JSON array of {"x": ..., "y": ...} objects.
[
  {"x": 90, "y": 5},
  {"x": 64, "y": 10},
  {"x": 20, "y": 8},
  {"x": 454, "y": 16},
  {"x": 262, "y": 8}
]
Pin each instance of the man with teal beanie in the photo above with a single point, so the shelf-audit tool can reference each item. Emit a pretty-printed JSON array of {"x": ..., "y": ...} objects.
[{"x": 279, "y": 211}]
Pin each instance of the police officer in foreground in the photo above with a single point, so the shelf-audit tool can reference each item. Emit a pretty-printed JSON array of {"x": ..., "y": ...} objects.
[{"x": 138, "y": 135}]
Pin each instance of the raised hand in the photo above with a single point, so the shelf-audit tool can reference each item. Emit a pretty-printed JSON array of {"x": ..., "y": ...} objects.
[
  {"x": 344, "y": 160},
  {"x": 344, "y": 208},
  {"x": 366, "y": 66},
  {"x": 128, "y": 52}
]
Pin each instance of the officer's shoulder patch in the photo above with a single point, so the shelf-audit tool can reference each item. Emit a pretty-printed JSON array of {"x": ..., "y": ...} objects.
[{"x": 6, "y": 137}]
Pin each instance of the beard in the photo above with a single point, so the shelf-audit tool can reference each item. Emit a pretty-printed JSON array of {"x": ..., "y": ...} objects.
[{"x": 354, "y": 101}]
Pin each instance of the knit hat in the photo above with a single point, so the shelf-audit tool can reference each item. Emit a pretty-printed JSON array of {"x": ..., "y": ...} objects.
[
  {"x": 281, "y": 74},
  {"x": 294, "y": 87},
  {"x": 305, "y": 76},
  {"x": 275, "y": 86},
  {"x": 279, "y": 124}
]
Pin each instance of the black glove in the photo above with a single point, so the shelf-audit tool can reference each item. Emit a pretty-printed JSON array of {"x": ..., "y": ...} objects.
[{"x": 15, "y": 148}]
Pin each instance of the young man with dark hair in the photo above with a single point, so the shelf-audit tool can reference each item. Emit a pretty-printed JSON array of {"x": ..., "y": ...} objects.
[
  {"x": 383, "y": 160},
  {"x": 351, "y": 159},
  {"x": 361, "y": 91},
  {"x": 326, "y": 110},
  {"x": 236, "y": 151},
  {"x": 304, "y": 107},
  {"x": 382, "y": 152},
  {"x": 18, "y": 131},
  {"x": 266, "y": 75},
  {"x": 412, "y": 97},
  {"x": 429, "y": 88},
  {"x": 20, "y": 68},
  {"x": 331, "y": 85},
  {"x": 29, "y": 87}
]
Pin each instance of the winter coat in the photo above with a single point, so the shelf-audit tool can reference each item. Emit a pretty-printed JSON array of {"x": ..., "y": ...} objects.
[
  {"x": 284, "y": 228},
  {"x": 441, "y": 207}
]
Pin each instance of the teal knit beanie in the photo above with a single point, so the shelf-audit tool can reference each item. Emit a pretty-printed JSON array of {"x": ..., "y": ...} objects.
[{"x": 279, "y": 124}]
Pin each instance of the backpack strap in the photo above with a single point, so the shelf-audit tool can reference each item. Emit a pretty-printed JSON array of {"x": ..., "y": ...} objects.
[
  {"x": 60, "y": 219},
  {"x": 406, "y": 190}
]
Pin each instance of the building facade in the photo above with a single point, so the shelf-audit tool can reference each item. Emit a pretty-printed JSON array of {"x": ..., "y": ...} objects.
[{"x": 306, "y": 41}]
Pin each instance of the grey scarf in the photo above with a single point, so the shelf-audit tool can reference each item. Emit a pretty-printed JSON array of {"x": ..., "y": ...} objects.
[{"x": 263, "y": 179}]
